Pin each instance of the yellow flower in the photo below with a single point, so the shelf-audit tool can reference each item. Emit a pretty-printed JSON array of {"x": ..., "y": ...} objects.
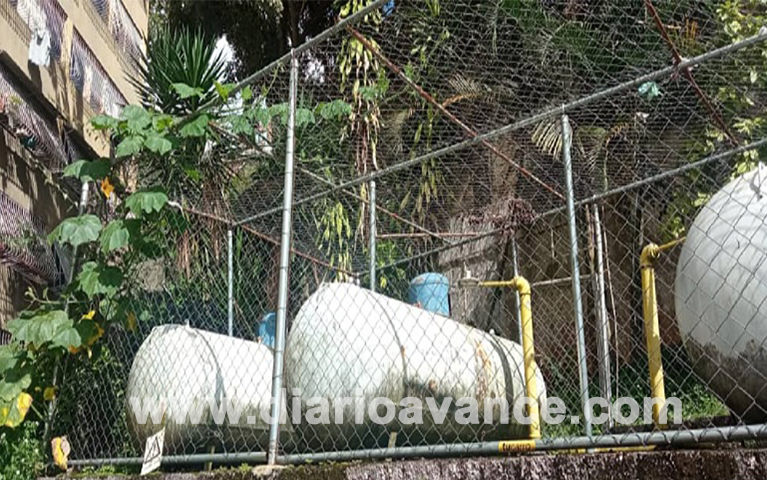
[
  {"x": 107, "y": 188},
  {"x": 89, "y": 315},
  {"x": 49, "y": 393},
  {"x": 61, "y": 449},
  {"x": 130, "y": 322},
  {"x": 92, "y": 339},
  {"x": 23, "y": 402}
]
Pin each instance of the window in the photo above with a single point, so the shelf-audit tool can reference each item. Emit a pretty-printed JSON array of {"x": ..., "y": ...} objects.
[
  {"x": 92, "y": 81},
  {"x": 44, "y": 14}
]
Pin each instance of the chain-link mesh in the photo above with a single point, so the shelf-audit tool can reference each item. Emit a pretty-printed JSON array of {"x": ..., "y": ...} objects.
[{"x": 455, "y": 111}]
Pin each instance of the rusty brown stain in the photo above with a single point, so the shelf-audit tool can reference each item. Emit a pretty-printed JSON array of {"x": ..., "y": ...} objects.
[
  {"x": 433, "y": 385},
  {"x": 483, "y": 370}
]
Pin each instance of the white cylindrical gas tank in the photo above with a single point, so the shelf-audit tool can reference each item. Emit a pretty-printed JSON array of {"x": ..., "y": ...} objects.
[
  {"x": 350, "y": 342},
  {"x": 188, "y": 370},
  {"x": 721, "y": 294}
]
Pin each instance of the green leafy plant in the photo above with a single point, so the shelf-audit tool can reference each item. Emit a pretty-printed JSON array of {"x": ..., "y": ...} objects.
[
  {"x": 22, "y": 454},
  {"x": 98, "y": 295}
]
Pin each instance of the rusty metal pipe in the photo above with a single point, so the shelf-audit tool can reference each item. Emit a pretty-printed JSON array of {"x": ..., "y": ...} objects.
[{"x": 467, "y": 129}]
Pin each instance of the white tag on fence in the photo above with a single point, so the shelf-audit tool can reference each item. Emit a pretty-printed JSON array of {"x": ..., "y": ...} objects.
[{"x": 153, "y": 452}]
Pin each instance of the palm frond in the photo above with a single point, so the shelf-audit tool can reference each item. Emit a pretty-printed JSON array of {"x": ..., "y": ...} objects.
[
  {"x": 392, "y": 132},
  {"x": 178, "y": 56},
  {"x": 547, "y": 136}
]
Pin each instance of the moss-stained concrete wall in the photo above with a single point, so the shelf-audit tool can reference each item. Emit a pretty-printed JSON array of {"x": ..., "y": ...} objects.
[{"x": 661, "y": 465}]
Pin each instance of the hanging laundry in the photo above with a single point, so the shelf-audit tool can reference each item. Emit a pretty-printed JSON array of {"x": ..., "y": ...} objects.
[
  {"x": 55, "y": 20},
  {"x": 40, "y": 47},
  {"x": 92, "y": 81}
]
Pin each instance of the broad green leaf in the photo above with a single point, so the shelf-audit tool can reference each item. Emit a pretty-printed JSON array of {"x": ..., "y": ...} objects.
[
  {"x": 650, "y": 90},
  {"x": 224, "y": 90},
  {"x": 162, "y": 122},
  {"x": 246, "y": 93},
  {"x": 117, "y": 234},
  {"x": 263, "y": 116},
  {"x": 39, "y": 329},
  {"x": 337, "y": 109},
  {"x": 129, "y": 146},
  {"x": 279, "y": 110},
  {"x": 13, "y": 384},
  {"x": 111, "y": 308},
  {"x": 13, "y": 412},
  {"x": 97, "y": 279},
  {"x": 304, "y": 116},
  {"x": 195, "y": 128},
  {"x": 158, "y": 144},
  {"x": 104, "y": 122},
  {"x": 77, "y": 230},
  {"x": 240, "y": 125},
  {"x": 146, "y": 201},
  {"x": 10, "y": 358},
  {"x": 185, "y": 91},
  {"x": 193, "y": 173},
  {"x": 88, "y": 171},
  {"x": 89, "y": 332},
  {"x": 136, "y": 117},
  {"x": 67, "y": 338}
]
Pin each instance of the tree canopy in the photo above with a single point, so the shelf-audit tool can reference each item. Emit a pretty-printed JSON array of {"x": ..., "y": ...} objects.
[{"x": 259, "y": 31}]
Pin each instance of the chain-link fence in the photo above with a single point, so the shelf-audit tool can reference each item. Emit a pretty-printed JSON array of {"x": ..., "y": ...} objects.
[{"x": 459, "y": 205}]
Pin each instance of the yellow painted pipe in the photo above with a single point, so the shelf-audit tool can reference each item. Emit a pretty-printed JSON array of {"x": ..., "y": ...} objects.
[
  {"x": 521, "y": 446},
  {"x": 528, "y": 349},
  {"x": 652, "y": 330}
]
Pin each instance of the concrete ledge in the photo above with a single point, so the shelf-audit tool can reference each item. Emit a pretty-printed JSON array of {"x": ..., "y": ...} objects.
[{"x": 678, "y": 464}]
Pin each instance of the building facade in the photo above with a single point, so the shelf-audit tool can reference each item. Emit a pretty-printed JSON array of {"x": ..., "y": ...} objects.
[{"x": 61, "y": 63}]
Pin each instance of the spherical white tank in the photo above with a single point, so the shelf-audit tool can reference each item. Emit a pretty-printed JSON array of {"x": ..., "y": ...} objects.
[
  {"x": 180, "y": 369},
  {"x": 350, "y": 342},
  {"x": 721, "y": 294}
]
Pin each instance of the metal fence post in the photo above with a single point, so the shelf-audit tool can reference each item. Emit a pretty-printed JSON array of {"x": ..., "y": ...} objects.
[
  {"x": 603, "y": 332},
  {"x": 575, "y": 273},
  {"x": 230, "y": 281},
  {"x": 282, "y": 297},
  {"x": 372, "y": 208}
]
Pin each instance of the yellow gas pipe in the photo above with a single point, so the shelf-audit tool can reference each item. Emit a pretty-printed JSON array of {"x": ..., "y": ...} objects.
[
  {"x": 528, "y": 349},
  {"x": 652, "y": 331},
  {"x": 521, "y": 285}
]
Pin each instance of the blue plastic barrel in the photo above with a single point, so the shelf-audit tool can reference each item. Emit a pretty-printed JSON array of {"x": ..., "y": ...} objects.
[
  {"x": 266, "y": 329},
  {"x": 430, "y": 291}
]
